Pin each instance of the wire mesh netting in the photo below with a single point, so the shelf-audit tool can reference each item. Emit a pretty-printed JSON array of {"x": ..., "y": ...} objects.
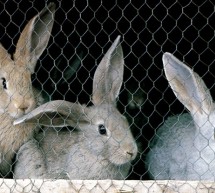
[{"x": 92, "y": 62}]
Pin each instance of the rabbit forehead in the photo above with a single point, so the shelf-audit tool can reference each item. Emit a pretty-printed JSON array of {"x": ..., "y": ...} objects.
[
  {"x": 16, "y": 73},
  {"x": 107, "y": 115}
]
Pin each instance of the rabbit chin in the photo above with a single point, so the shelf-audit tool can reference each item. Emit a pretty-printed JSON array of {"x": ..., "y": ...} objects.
[
  {"x": 120, "y": 158},
  {"x": 17, "y": 114}
]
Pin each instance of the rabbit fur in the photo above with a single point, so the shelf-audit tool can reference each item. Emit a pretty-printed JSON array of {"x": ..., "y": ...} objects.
[
  {"x": 100, "y": 146},
  {"x": 18, "y": 97},
  {"x": 183, "y": 147},
  {"x": 60, "y": 77}
]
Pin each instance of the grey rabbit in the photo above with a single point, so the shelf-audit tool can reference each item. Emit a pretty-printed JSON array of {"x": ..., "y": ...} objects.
[
  {"x": 100, "y": 146},
  {"x": 183, "y": 147},
  {"x": 18, "y": 96}
]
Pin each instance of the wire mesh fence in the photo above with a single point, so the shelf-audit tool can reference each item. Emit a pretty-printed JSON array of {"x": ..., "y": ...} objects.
[{"x": 63, "y": 50}]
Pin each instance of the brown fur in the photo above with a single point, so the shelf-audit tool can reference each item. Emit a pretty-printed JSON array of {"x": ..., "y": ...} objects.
[{"x": 17, "y": 96}]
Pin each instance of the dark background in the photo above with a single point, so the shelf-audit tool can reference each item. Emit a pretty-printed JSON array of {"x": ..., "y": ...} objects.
[{"x": 148, "y": 29}]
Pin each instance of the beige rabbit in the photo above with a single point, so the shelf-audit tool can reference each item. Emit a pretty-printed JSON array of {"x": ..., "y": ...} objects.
[
  {"x": 17, "y": 96},
  {"x": 101, "y": 145}
]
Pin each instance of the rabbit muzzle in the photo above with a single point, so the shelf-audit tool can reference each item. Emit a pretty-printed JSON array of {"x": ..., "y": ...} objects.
[
  {"x": 132, "y": 151},
  {"x": 125, "y": 153},
  {"x": 130, "y": 154},
  {"x": 22, "y": 107}
]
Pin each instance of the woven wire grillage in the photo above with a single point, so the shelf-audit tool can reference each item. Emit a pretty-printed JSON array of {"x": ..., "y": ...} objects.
[{"x": 86, "y": 30}]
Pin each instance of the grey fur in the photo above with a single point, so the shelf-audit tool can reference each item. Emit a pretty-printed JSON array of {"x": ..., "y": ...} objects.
[
  {"x": 82, "y": 153},
  {"x": 183, "y": 148}
]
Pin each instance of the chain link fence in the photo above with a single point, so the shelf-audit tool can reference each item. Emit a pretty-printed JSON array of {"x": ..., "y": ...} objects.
[{"x": 82, "y": 33}]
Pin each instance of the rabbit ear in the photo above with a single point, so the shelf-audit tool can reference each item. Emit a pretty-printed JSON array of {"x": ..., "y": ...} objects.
[
  {"x": 34, "y": 38},
  {"x": 188, "y": 87},
  {"x": 108, "y": 77},
  {"x": 57, "y": 113},
  {"x": 68, "y": 73},
  {"x": 4, "y": 56}
]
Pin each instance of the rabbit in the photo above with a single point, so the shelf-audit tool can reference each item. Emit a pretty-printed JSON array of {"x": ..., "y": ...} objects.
[
  {"x": 183, "y": 147},
  {"x": 17, "y": 95},
  {"x": 61, "y": 76},
  {"x": 132, "y": 101},
  {"x": 136, "y": 96},
  {"x": 100, "y": 146},
  {"x": 131, "y": 104}
]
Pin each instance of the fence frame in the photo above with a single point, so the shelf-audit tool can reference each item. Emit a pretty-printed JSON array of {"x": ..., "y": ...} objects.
[{"x": 104, "y": 186}]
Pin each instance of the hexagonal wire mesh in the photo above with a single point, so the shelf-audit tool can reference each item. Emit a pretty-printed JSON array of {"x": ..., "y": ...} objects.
[{"x": 83, "y": 32}]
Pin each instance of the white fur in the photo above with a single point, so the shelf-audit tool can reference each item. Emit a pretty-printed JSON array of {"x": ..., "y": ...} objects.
[{"x": 183, "y": 147}]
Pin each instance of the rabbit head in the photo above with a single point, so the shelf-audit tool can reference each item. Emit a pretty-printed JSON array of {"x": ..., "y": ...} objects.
[
  {"x": 16, "y": 91},
  {"x": 105, "y": 131},
  {"x": 136, "y": 95},
  {"x": 192, "y": 92}
]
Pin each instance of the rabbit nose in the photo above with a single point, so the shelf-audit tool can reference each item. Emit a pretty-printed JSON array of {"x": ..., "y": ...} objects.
[
  {"x": 130, "y": 153},
  {"x": 22, "y": 107}
]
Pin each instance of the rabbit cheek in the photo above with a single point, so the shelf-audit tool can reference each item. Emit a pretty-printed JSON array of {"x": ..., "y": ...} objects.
[
  {"x": 4, "y": 102},
  {"x": 97, "y": 146}
]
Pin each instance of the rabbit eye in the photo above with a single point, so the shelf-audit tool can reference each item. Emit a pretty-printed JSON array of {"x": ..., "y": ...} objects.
[
  {"x": 102, "y": 130},
  {"x": 33, "y": 77},
  {"x": 4, "y": 83}
]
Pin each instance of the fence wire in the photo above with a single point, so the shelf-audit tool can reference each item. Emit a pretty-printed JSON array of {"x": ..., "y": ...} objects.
[{"x": 64, "y": 69}]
